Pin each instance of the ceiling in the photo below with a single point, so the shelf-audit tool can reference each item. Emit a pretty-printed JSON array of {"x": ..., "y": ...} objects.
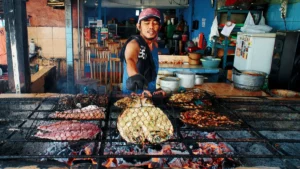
[{"x": 162, "y": 4}]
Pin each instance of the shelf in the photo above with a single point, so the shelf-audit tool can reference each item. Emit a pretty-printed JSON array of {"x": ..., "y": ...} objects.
[
  {"x": 219, "y": 46},
  {"x": 237, "y": 11},
  {"x": 238, "y": 29}
]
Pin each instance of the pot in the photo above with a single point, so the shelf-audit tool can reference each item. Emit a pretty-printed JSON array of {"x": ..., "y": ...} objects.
[
  {"x": 248, "y": 79},
  {"x": 199, "y": 79},
  {"x": 187, "y": 79},
  {"x": 169, "y": 84}
]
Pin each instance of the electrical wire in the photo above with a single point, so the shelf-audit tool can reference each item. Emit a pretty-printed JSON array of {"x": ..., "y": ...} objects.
[{"x": 177, "y": 3}]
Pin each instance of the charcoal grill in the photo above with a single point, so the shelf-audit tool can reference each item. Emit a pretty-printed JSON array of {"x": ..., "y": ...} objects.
[{"x": 269, "y": 133}]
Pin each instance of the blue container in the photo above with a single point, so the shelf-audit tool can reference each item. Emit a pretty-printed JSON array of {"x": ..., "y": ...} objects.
[{"x": 210, "y": 62}]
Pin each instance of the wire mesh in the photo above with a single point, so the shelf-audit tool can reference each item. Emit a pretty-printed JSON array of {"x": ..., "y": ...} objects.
[{"x": 267, "y": 132}]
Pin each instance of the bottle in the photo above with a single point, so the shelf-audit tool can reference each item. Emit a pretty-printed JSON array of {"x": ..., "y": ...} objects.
[
  {"x": 31, "y": 47},
  {"x": 169, "y": 30},
  {"x": 201, "y": 41},
  {"x": 265, "y": 87}
]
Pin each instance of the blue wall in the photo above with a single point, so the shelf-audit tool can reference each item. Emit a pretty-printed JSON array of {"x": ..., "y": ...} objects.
[
  {"x": 121, "y": 14},
  {"x": 293, "y": 21},
  {"x": 202, "y": 9}
]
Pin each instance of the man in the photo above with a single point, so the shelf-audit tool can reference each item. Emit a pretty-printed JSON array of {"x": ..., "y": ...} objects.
[
  {"x": 140, "y": 55},
  {"x": 3, "y": 57}
]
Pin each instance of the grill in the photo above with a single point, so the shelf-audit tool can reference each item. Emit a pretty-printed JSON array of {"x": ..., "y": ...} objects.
[{"x": 267, "y": 135}]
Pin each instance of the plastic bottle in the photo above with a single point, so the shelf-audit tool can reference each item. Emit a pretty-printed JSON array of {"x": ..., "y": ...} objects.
[
  {"x": 31, "y": 47},
  {"x": 201, "y": 41},
  {"x": 266, "y": 83},
  {"x": 169, "y": 30}
]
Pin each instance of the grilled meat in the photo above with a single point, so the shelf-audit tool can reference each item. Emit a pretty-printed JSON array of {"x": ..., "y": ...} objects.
[
  {"x": 68, "y": 130},
  {"x": 138, "y": 124},
  {"x": 91, "y": 99},
  {"x": 186, "y": 105},
  {"x": 86, "y": 113},
  {"x": 182, "y": 97},
  {"x": 133, "y": 102},
  {"x": 203, "y": 118},
  {"x": 68, "y": 126},
  {"x": 82, "y": 100}
]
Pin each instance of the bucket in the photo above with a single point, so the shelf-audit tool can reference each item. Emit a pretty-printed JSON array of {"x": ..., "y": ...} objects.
[{"x": 194, "y": 58}]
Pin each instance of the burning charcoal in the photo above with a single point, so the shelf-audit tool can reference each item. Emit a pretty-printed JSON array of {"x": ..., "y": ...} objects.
[
  {"x": 195, "y": 146},
  {"x": 177, "y": 163}
]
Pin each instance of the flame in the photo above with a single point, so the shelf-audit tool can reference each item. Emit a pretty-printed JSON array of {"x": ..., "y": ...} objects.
[
  {"x": 109, "y": 162},
  {"x": 155, "y": 160}
]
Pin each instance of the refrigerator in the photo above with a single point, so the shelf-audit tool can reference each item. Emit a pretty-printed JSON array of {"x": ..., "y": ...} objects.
[{"x": 254, "y": 51}]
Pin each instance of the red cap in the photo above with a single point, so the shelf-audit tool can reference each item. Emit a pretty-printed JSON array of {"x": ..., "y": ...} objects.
[{"x": 149, "y": 12}]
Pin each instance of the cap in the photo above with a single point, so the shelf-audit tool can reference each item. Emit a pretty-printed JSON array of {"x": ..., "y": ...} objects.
[{"x": 149, "y": 12}]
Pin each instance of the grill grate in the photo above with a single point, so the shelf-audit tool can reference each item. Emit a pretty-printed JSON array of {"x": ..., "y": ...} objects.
[{"x": 267, "y": 135}]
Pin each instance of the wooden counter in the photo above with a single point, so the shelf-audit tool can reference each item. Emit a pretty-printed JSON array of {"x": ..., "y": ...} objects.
[
  {"x": 226, "y": 90},
  {"x": 187, "y": 67},
  {"x": 38, "y": 79}
]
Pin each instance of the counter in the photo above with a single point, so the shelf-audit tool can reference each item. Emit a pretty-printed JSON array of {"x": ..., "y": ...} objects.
[
  {"x": 44, "y": 79},
  {"x": 211, "y": 73},
  {"x": 187, "y": 67},
  {"x": 228, "y": 90}
]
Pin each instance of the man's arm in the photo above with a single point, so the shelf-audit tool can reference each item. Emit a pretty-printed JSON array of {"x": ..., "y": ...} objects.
[{"x": 131, "y": 56}]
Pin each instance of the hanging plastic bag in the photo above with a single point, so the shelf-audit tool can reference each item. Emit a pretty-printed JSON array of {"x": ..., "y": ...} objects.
[
  {"x": 250, "y": 27},
  {"x": 213, "y": 31}
]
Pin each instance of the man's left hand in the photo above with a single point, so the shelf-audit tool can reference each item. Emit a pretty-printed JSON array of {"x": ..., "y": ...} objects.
[{"x": 163, "y": 93}]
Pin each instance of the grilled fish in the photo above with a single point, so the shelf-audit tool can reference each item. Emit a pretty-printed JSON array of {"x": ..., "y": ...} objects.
[
  {"x": 68, "y": 130},
  {"x": 136, "y": 125}
]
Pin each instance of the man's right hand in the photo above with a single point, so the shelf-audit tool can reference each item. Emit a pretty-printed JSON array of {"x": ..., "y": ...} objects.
[{"x": 136, "y": 82}]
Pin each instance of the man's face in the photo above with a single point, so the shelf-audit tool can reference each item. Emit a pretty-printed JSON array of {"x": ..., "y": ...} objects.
[{"x": 149, "y": 28}]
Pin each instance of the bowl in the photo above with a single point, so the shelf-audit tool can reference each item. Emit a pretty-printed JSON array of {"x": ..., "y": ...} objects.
[
  {"x": 169, "y": 84},
  {"x": 210, "y": 62}
]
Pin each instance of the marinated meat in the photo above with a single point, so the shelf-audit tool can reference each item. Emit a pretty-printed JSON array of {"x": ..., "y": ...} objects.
[
  {"x": 82, "y": 100},
  {"x": 203, "y": 118},
  {"x": 182, "y": 97},
  {"x": 133, "y": 102},
  {"x": 138, "y": 124},
  {"x": 86, "y": 113},
  {"x": 68, "y": 130},
  {"x": 186, "y": 105},
  {"x": 91, "y": 99}
]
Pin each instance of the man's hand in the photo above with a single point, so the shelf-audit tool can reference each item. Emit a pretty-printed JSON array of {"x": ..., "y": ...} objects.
[
  {"x": 146, "y": 93},
  {"x": 160, "y": 92},
  {"x": 136, "y": 82}
]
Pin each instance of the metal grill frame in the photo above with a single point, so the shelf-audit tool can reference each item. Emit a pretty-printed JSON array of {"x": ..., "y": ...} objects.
[{"x": 223, "y": 105}]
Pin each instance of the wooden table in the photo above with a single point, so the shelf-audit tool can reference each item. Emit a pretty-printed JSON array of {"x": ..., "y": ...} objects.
[
  {"x": 226, "y": 90},
  {"x": 39, "y": 78}
]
